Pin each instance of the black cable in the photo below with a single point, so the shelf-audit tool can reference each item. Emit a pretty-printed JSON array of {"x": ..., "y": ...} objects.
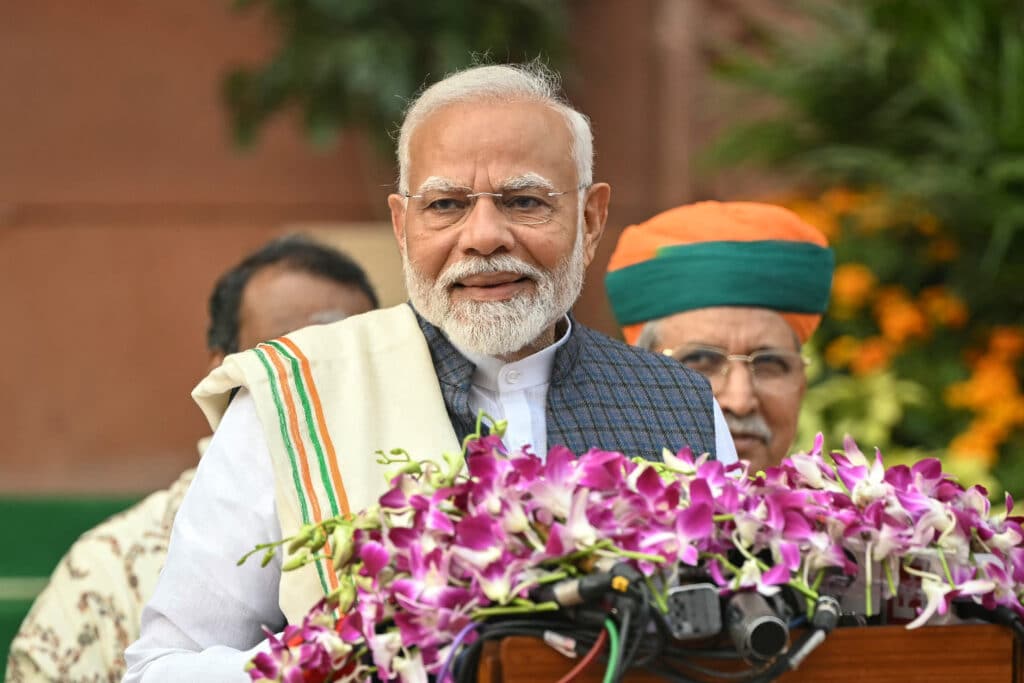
[
  {"x": 626, "y": 610},
  {"x": 1001, "y": 615},
  {"x": 466, "y": 664},
  {"x": 643, "y": 623}
]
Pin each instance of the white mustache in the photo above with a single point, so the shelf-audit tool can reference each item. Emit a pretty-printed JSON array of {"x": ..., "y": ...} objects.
[
  {"x": 748, "y": 425},
  {"x": 479, "y": 265}
]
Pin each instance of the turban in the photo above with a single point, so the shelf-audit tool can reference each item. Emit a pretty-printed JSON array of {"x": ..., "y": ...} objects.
[{"x": 720, "y": 254}]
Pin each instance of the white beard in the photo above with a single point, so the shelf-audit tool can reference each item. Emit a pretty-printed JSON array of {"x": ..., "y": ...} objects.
[{"x": 498, "y": 328}]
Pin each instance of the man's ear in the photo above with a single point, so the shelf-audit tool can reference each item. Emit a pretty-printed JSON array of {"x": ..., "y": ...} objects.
[
  {"x": 397, "y": 203},
  {"x": 595, "y": 214}
]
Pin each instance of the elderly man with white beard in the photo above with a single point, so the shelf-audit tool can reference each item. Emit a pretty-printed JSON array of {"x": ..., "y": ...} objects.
[{"x": 497, "y": 217}]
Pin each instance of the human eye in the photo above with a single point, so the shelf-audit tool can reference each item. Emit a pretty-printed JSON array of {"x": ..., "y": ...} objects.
[
  {"x": 773, "y": 363},
  {"x": 523, "y": 201},
  {"x": 704, "y": 361},
  {"x": 445, "y": 203}
]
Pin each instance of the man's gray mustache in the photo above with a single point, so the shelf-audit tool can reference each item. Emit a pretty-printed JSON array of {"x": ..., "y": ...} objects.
[
  {"x": 482, "y": 266},
  {"x": 748, "y": 425}
]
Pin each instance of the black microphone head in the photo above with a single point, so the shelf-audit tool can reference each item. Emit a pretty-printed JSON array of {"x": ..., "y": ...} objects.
[{"x": 756, "y": 630}]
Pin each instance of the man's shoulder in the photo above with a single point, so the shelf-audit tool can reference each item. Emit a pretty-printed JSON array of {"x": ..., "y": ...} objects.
[
  {"x": 89, "y": 610},
  {"x": 382, "y": 328}
]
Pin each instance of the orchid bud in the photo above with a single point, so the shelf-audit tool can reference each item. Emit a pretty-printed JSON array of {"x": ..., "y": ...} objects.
[
  {"x": 318, "y": 540},
  {"x": 297, "y": 560},
  {"x": 343, "y": 596},
  {"x": 343, "y": 545},
  {"x": 300, "y": 539}
]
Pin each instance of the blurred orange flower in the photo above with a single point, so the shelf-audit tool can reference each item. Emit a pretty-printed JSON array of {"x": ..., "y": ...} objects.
[
  {"x": 1007, "y": 342},
  {"x": 842, "y": 351},
  {"x": 977, "y": 443},
  {"x": 815, "y": 214},
  {"x": 943, "y": 306},
  {"x": 943, "y": 250},
  {"x": 840, "y": 200},
  {"x": 991, "y": 382},
  {"x": 898, "y": 316},
  {"x": 875, "y": 214},
  {"x": 852, "y": 283},
  {"x": 872, "y": 355}
]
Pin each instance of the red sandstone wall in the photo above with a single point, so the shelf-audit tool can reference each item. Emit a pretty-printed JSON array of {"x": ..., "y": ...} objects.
[{"x": 121, "y": 199}]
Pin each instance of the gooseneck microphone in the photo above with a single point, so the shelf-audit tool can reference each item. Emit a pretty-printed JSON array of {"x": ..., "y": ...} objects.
[{"x": 757, "y": 632}]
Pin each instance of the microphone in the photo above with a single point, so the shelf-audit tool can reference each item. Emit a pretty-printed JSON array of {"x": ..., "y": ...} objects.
[
  {"x": 1002, "y": 615},
  {"x": 694, "y": 611},
  {"x": 757, "y": 632},
  {"x": 589, "y": 587}
]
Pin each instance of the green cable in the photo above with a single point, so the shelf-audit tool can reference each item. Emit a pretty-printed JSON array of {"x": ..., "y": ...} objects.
[{"x": 613, "y": 651}]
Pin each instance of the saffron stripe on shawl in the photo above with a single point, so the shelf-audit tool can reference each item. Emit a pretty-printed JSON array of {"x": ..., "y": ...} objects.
[
  {"x": 300, "y": 387},
  {"x": 314, "y": 395},
  {"x": 293, "y": 444}
]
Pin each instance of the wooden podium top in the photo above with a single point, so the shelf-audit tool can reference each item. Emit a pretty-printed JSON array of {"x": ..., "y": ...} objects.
[{"x": 877, "y": 654}]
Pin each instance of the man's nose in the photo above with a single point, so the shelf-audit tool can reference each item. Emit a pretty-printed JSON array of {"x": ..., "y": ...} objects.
[
  {"x": 736, "y": 392},
  {"x": 486, "y": 230}
]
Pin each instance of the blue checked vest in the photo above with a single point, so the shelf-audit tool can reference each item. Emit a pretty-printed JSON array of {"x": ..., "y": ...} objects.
[{"x": 602, "y": 394}]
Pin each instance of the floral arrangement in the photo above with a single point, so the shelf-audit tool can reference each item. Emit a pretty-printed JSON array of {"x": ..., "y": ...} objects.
[{"x": 458, "y": 541}]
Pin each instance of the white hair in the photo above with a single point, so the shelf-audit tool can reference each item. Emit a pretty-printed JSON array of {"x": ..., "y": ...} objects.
[
  {"x": 648, "y": 338},
  {"x": 533, "y": 82}
]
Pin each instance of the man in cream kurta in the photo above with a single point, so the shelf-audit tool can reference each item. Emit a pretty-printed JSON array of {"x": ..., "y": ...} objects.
[{"x": 496, "y": 217}]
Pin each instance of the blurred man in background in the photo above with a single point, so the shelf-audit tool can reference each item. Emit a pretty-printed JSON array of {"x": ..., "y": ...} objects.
[
  {"x": 90, "y": 611},
  {"x": 731, "y": 290}
]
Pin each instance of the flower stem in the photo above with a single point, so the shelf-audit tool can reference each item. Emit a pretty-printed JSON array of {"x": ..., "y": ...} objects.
[
  {"x": 635, "y": 555},
  {"x": 889, "y": 578},
  {"x": 804, "y": 589},
  {"x": 551, "y": 578},
  {"x": 601, "y": 545},
  {"x": 504, "y": 610},
  {"x": 659, "y": 599},
  {"x": 868, "y": 581},
  {"x": 945, "y": 567}
]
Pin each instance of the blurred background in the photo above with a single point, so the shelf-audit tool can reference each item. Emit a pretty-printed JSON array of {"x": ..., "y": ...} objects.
[{"x": 147, "y": 147}]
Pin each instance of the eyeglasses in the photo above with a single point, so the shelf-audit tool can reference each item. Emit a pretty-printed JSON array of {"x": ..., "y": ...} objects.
[
  {"x": 445, "y": 208},
  {"x": 773, "y": 371}
]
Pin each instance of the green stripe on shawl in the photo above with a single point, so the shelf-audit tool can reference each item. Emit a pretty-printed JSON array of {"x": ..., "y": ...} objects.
[{"x": 282, "y": 416}]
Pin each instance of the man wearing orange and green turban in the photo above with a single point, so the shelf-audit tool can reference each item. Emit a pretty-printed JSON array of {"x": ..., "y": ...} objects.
[{"x": 732, "y": 290}]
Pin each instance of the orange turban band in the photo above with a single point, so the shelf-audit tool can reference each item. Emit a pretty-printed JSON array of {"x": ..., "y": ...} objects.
[{"x": 720, "y": 254}]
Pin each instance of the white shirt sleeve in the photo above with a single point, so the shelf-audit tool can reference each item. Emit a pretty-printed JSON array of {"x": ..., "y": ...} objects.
[
  {"x": 725, "y": 449},
  {"x": 205, "y": 617}
]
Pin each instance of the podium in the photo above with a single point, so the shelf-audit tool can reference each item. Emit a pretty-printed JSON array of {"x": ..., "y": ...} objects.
[{"x": 963, "y": 653}]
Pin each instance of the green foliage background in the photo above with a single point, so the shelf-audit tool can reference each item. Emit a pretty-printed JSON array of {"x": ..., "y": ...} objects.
[
  {"x": 354, "y": 63},
  {"x": 914, "y": 109}
]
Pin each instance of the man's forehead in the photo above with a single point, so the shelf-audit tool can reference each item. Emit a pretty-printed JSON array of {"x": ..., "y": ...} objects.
[{"x": 737, "y": 329}]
